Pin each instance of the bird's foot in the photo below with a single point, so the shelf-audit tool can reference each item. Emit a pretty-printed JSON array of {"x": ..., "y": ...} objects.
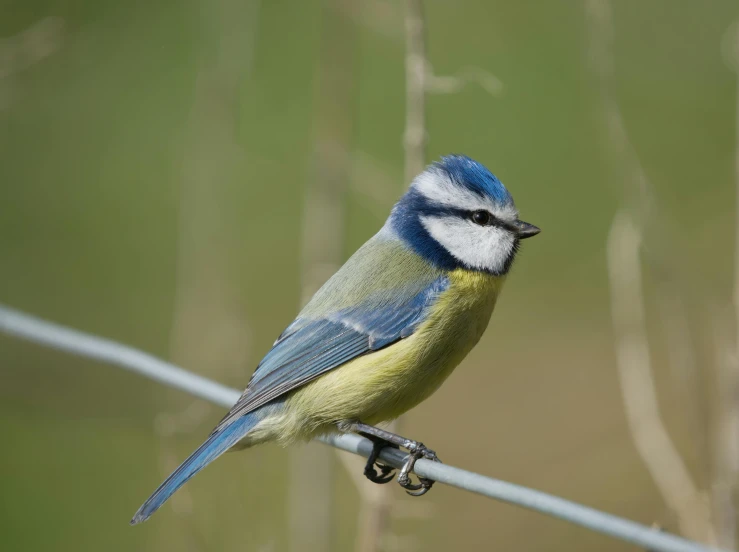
[
  {"x": 381, "y": 439},
  {"x": 386, "y": 472},
  {"x": 416, "y": 450}
]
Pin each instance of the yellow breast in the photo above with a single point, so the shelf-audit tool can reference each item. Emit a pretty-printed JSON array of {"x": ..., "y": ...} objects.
[{"x": 383, "y": 385}]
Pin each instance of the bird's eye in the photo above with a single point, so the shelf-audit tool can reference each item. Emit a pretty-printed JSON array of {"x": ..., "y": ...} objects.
[{"x": 483, "y": 218}]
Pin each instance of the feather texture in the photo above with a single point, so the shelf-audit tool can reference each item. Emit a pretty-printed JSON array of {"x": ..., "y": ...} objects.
[
  {"x": 328, "y": 334},
  {"x": 382, "y": 385}
]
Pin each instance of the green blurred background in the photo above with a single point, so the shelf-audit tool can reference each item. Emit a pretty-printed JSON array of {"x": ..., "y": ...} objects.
[{"x": 156, "y": 160}]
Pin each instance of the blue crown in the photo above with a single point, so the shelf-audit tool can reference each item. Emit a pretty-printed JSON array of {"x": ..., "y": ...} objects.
[{"x": 475, "y": 177}]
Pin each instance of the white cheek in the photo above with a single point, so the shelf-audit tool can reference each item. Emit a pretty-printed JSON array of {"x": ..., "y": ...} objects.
[{"x": 481, "y": 247}]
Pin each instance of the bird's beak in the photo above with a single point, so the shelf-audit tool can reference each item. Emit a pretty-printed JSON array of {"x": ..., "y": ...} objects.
[{"x": 525, "y": 230}]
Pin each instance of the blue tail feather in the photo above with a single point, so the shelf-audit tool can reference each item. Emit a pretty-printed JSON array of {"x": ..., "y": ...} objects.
[{"x": 212, "y": 448}]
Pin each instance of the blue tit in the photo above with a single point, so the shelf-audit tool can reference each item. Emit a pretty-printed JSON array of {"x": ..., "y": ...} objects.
[{"x": 386, "y": 330}]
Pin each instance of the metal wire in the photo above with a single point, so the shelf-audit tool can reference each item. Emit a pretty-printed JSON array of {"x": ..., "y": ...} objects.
[{"x": 30, "y": 328}]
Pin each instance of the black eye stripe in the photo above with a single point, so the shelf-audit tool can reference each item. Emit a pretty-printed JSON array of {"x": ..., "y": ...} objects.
[
  {"x": 442, "y": 211},
  {"x": 486, "y": 218}
]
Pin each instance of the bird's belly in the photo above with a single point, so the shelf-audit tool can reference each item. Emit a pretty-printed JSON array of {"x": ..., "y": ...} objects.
[{"x": 384, "y": 384}]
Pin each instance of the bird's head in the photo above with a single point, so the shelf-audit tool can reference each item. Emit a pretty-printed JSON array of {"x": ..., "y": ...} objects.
[{"x": 458, "y": 214}]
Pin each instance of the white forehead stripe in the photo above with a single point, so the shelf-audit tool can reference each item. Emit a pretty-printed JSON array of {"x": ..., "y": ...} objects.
[
  {"x": 479, "y": 247},
  {"x": 436, "y": 186}
]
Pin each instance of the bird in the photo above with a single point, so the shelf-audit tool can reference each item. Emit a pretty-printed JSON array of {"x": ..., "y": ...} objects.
[{"x": 385, "y": 331}]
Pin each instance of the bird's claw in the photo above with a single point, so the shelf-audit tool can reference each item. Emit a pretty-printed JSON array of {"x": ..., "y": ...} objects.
[
  {"x": 415, "y": 452},
  {"x": 387, "y": 473}
]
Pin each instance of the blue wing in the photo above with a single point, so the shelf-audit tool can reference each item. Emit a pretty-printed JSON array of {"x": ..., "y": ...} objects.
[{"x": 310, "y": 347}]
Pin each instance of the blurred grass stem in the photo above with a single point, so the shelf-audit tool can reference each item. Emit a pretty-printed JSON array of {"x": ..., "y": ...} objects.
[
  {"x": 324, "y": 213},
  {"x": 726, "y": 440},
  {"x": 650, "y": 436},
  {"x": 638, "y": 389},
  {"x": 416, "y": 71},
  {"x": 206, "y": 331}
]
